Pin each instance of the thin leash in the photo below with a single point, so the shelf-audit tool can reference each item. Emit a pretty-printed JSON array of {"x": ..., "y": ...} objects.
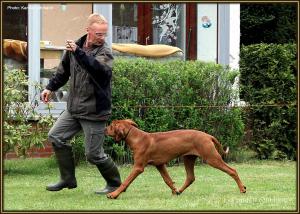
[{"x": 209, "y": 106}]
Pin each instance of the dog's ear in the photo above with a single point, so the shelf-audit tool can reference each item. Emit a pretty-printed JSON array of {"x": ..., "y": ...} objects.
[
  {"x": 131, "y": 122},
  {"x": 119, "y": 132}
]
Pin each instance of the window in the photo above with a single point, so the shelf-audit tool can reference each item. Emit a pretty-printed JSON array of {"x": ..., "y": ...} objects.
[
  {"x": 168, "y": 24},
  {"x": 49, "y": 25},
  {"x": 14, "y": 33},
  {"x": 59, "y": 22},
  {"x": 146, "y": 23},
  {"x": 125, "y": 23}
]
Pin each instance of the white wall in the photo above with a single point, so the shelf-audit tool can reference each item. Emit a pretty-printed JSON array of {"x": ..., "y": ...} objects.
[
  {"x": 207, "y": 37},
  {"x": 220, "y": 42},
  {"x": 234, "y": 43}
]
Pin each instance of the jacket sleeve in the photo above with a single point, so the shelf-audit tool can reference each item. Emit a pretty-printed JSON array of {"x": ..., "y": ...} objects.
[
  {"x": 62, "y": 74},
  {"x": 99, "y": 66}
]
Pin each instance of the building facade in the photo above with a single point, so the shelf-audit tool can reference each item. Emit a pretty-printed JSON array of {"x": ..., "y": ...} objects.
[{"x": 207, "y": 32}]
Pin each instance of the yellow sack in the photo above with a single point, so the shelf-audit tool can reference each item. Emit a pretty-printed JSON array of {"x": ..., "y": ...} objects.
[{"x": 146, "y": 50}]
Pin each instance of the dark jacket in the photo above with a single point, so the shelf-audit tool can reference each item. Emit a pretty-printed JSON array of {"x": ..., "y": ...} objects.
[{"x": 89, "y": 78}]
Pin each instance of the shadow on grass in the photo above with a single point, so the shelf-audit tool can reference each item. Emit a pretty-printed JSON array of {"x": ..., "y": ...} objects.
[
  {"x": 32, "y": 166},
  {"x": 29, "y": 166}
]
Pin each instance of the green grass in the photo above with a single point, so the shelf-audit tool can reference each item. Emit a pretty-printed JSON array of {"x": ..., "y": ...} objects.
[{"x": 270, "y": 186}]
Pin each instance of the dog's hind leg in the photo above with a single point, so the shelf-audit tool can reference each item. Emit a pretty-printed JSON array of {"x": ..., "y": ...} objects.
[
  {"x": 189, "y": 163},
  {"x": 168, "y": 180},
  {"x": 218, "y": 163}
]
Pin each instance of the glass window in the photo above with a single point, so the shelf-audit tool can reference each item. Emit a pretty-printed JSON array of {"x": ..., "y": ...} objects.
[
  {"x": 59, "y": 22},
  {"x": 125, "y": 23},
  {"x": 14, "y": 33},
  {"x": 168, "y": 22}
]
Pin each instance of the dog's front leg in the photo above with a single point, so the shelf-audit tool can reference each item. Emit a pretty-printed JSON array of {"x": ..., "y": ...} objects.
[{"x": 137, "y": 169}]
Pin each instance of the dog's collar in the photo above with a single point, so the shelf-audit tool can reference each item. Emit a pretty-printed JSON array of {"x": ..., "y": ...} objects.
[{"x": 127, "y": 133}]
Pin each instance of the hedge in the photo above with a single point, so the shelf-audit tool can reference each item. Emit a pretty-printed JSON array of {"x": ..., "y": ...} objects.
[
  {"x": 168, "y": 95},
  {"x": 268, "y": 83}
]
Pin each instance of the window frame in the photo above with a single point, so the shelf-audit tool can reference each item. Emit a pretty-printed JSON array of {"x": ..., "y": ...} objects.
[{"x": 34, "y": 64}]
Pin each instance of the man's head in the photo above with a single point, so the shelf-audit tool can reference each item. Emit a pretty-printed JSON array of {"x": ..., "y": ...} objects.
[{"x": 97, "y": 28}]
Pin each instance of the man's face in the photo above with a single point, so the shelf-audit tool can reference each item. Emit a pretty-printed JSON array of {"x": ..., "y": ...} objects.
[{"x": 97, "y": 33}]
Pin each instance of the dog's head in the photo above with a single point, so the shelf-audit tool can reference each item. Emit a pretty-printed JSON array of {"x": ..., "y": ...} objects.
[{"x": 118, "y": 129}]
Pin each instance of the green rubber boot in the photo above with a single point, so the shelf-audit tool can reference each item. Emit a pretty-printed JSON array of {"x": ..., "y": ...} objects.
[
  {"x": 110, "y": 173},
  {"x": 65, "y": 160}
]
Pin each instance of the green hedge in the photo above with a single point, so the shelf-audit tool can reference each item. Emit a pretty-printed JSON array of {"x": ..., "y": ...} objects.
[
  {"x": 169, "y": 95},
  {"x": 268, "y": 81}
]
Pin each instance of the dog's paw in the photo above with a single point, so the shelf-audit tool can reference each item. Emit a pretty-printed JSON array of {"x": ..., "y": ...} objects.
[
  {"x": 244, "y": 190},
  {"x": 111, "y": 196},
  {"x": 176, "y": 192}
]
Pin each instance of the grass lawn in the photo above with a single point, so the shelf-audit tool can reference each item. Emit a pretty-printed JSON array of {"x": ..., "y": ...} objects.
[{"x": 270, "y": 186}]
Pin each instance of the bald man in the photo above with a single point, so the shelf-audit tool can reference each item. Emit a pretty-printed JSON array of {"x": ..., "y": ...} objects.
[{"x": 87, "y": 65}]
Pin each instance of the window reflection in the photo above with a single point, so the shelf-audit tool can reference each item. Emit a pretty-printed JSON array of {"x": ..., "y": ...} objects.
[
  {"x": 14, "y": 34},
  {"x": 125, "y": 23},
  {"x": 168, "y": 24}
]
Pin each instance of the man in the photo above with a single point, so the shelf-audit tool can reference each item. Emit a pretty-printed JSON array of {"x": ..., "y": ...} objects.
[{"x": 87, "y": 65}]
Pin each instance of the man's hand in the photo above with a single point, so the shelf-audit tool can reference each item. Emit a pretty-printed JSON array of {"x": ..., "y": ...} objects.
[
  {"x": 45, "y": 95},
  {"x": 70, "y": 45}
]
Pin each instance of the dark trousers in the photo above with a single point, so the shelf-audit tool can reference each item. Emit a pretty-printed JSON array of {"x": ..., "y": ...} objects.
[{"x": 66, "y": 127}]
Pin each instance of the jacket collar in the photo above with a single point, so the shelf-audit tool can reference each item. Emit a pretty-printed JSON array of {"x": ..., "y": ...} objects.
[{"x": 80, "y": 42}]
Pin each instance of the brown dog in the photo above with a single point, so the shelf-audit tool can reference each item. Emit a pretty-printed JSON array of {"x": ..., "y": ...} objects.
[{"x": 160, "y": 147}]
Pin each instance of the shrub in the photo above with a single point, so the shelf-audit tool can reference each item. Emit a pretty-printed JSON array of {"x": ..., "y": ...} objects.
[
  {"x": 268, "y": 82},
  {"x": 162, "y": 96},
  {"x": 20, "y": 132},
  {"x": 78, "y": 148},
  {"x": 159, "y": 96}
]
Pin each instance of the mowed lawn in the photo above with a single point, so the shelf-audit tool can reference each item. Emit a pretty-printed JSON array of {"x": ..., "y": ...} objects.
[{"x": 271, "y": 186}]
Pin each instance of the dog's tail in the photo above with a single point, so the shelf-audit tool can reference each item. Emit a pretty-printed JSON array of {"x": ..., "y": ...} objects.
[{"x": 223, "y": 151}]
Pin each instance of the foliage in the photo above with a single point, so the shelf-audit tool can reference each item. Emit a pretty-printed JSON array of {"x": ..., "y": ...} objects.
[
  {"x": 276, "y": 23},
  {"x": 78, "y": 148},
  {"x": 161, "y": 96},
  {"x": 20, "y": 131},
  {"x": 268, "y": 77}
]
